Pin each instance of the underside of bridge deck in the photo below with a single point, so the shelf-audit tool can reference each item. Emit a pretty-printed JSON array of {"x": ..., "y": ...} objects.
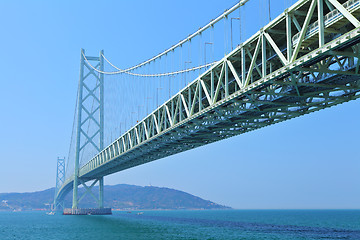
[{"x": 305, "y": 60}]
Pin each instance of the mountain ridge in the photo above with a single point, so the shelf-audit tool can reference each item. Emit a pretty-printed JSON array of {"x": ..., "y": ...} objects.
[{"x": 120, "y": 197}]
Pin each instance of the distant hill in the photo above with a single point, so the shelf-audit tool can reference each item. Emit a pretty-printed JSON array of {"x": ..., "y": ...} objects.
[{"x": 122, "y": 196}]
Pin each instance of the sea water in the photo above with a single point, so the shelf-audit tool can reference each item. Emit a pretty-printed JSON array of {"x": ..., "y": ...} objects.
[{"x": 184, "y": 224}]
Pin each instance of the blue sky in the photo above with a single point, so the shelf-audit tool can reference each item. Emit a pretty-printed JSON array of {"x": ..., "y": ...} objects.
[{"x": 308, "y": 162}]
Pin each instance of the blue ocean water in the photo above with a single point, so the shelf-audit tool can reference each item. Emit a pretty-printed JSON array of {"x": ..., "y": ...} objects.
[{"x": 215, "y": 224}]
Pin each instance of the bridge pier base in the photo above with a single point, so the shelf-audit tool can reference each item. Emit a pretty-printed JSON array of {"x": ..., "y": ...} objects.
[{"x": 87, "y": 211}]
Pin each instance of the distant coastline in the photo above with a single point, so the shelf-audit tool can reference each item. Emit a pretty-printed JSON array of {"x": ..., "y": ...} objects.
[{"x": 121, "y": 197}]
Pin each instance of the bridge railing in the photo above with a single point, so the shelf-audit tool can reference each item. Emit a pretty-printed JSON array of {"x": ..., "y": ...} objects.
[{"x": 329, "y": 19}]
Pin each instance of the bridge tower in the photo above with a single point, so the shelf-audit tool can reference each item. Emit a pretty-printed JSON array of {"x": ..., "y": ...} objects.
[
  {"x": 60, "y": 179},
  {"x": 90, "y": 120}
]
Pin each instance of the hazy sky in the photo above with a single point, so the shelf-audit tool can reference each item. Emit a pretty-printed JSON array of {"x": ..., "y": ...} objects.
[{"x": 308, "y": 162}]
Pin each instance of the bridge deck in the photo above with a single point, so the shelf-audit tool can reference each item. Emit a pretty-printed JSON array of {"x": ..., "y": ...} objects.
[{"x": 266, "y": 80}]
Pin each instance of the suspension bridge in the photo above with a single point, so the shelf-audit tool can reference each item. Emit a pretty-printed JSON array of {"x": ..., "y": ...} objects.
[{"x": 210, "y": 86}]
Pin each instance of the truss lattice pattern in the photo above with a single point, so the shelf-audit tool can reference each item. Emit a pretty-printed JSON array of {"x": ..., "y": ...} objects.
[{"x": 305, "y": 60}]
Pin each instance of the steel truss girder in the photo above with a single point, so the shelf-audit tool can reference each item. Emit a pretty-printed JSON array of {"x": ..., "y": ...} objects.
[{"x": 265, "y": 80}]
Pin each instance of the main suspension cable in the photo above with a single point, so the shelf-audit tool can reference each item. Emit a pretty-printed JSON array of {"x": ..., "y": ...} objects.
[
  {"x": 198, "y": 32},
  {"x": 144, "y": 75}
]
